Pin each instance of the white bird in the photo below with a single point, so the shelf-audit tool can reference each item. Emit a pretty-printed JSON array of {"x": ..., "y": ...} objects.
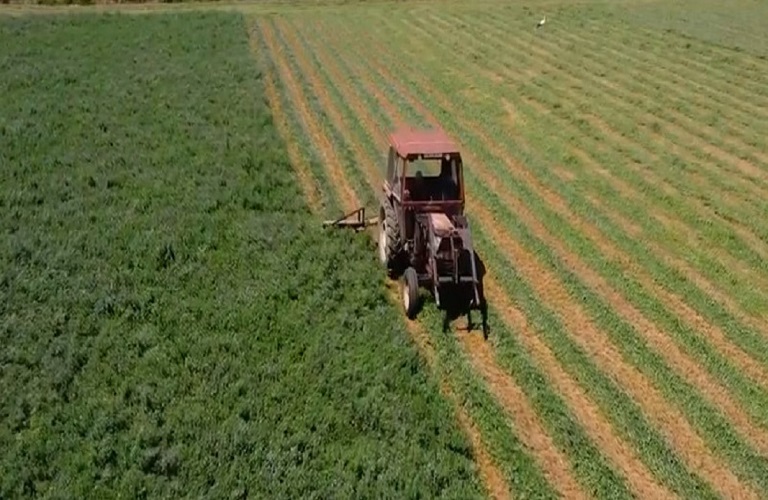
[{"x": 541, "y": 23}]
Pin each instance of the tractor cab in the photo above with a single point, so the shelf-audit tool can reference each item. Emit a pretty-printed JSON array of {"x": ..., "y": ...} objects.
[{"x": 425, "y": 171}]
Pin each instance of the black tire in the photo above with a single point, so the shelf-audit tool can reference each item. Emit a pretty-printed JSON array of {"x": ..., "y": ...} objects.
[
  {"x": 410, "y": 292},
  {"x": 390, "y": 251}
]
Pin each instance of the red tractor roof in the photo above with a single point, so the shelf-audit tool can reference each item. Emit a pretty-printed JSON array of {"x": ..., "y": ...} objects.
[{"x": 408, "y": 142}]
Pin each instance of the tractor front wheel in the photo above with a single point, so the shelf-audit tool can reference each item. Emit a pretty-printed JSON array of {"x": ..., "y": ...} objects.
[{"x": 410, "y": 292}]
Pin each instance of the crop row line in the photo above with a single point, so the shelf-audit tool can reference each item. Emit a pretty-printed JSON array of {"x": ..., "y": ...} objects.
[
  {"x": 756, "y": 258},
  {"x": 618, "y": 96},
  {"x": 519, "y": 168},
  {"x": 395, "y": 116},
  {"x": 607, "y": 86},
  {"x": 687, "y": 106},
  {"x": 639, "y": 211},
  {"x": 706, "y": 76}
]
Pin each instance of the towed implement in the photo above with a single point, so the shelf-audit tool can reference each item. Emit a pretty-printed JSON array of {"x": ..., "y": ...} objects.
[
  {"x": 358, "y": 223},
  {"x": 424, "y": 236}
]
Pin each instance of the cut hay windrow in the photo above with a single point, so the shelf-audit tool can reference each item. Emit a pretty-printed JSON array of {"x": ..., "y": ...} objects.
[
  {"x": 632, "y": 307},
  {"x": 516, "y": 169},
  {"x": 623, "y": 206},
  {"x": 627, "y": 190},
  {"x": 748, "y": 394},
  {"x": 642, "y": 181},
  {"x": 301, "y": 165},
  {"x": 686, "y": 365},
  {"x": 612, "y": 95},
  {"x": 347, "y": 195},
  {"x": 728, "y": 78},
  {"x": 693, "y": 89},
  {"x": 687, "y": 111},
  {"x": 336, "y": 120},
  {"x": 507, "y": 393},
  {"x": 390, "y": 98},
  {"x": 599, "y": 82}
]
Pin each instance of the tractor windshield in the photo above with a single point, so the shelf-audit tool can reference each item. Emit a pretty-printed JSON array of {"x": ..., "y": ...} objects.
[
  {"x": 434, "y": 178},
  {"x": 428, "y": 168}
]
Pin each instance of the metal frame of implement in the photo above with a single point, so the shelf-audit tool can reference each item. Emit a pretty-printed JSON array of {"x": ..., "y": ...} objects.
[{"x": 358, "y": 223}]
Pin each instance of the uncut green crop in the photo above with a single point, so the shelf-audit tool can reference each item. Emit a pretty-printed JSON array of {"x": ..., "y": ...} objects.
[{"x": 171, "y": 322}]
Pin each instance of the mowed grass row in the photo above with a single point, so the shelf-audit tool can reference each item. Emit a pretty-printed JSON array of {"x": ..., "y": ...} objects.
[
  {"x": 431, "y": 92},
  {"x": 741, "y": 184},
  {"x": 555, "y": 411},
  {"x": 520, "y": 104},
  {"x": 394, "y": 115},
  {"x": 332, "y": 29},
  {"x": 727, "y": 83},
  {"x": 639, "y": 210},
  {"x": 757, "y": 404},
  {"x": 713, "y": 198},
  {"x": 695, "y": 92},
  {"x": 728, "y": 29},
  {"x": 168, "y": 322},
  {"x": 723, "y": 73},
  {"x": 483, "y": 110},
  {"x": 725, "y": 236},
  {"x": 270, "y": 41},
  {"x": 558, "y": 61},
  {"x": 486, "y": 108},
  {"x": 608, "y": 74},
  {"x": 758, "y": 407},
  {"x": 547, "y": 404}
]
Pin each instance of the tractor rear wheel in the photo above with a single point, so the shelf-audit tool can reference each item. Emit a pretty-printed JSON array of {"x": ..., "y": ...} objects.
[
  {"x": 390, "y": 244},
  {"x": 410, "y": 292}
]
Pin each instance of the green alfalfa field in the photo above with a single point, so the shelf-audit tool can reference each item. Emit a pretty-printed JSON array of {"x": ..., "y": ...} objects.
[
  {"x": 616, "y": 170},
  {"x": 174, "y": 320}
]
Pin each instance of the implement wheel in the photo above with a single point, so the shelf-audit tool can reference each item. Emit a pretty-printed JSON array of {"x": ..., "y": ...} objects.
[
  {"x": 409, "y": 288},
  {"x": 390, "y": 245}
]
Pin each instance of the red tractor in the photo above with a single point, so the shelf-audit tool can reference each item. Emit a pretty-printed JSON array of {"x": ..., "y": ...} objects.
[{"x": 424, "y": 236}]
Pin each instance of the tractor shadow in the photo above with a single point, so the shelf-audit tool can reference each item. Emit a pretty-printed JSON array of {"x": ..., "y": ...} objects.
[{"x": 457, "y": 300}]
